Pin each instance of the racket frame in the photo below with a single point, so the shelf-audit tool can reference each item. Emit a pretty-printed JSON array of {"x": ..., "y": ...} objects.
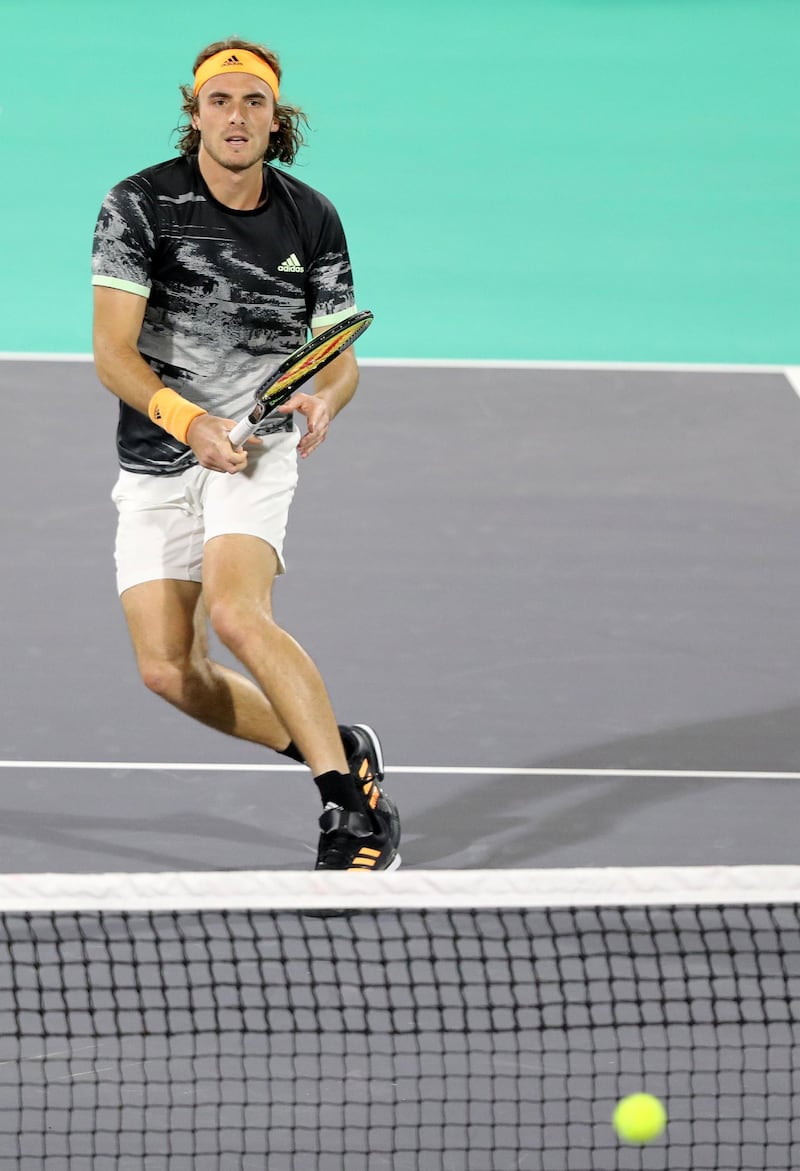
[{"x": 302, "y": 364}]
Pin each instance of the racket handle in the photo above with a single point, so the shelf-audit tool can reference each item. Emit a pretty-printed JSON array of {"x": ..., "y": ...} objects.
[{"x": 243, "y": 430}]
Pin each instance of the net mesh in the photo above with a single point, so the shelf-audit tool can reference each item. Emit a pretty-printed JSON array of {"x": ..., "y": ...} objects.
[{"x": 433, "y": 1039}]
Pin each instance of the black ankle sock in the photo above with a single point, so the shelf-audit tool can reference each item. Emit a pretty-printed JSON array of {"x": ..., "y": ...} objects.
[
  {"x": 292, "y": 751},
  {"x": 339, "y": 789},
  {"x": 348, "y": 743}
]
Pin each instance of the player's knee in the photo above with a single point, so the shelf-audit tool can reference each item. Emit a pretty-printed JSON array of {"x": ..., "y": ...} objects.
[
  {"x": 237, "y": 624},
  {"x": 163, "y": 677}
]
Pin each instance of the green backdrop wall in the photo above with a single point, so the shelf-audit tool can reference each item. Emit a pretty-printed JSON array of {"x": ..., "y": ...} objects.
[{"x": 535, "y": 179}]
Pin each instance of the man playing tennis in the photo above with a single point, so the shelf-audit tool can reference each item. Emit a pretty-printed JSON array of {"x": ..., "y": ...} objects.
[{"x": 207, "y": 270}]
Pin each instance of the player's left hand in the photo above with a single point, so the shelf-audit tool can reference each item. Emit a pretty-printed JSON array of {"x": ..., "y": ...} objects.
[{"x": 317, "y": 416}]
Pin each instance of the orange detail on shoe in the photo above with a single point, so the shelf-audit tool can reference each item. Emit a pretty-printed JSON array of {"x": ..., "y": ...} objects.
[
  {"x": 365, "y": 859},
  {"x": 363, "y": 771}
]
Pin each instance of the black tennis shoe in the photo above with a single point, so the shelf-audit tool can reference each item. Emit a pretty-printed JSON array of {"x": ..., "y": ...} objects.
[
  {"x": 365, "y": 839},
  {"x": 365, "y": 762}
]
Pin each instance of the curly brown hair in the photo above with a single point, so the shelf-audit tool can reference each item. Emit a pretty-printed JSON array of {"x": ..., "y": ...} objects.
[{"x": 286, "y": 140}]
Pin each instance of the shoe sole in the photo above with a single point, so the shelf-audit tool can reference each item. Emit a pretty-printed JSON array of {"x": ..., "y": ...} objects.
[
  {"x": 372, "y": 736},
  {"x": 393, "y": 865}
]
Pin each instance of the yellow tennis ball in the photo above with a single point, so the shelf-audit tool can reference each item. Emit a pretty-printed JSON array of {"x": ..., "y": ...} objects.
[{"x": 639, "y": 1118}]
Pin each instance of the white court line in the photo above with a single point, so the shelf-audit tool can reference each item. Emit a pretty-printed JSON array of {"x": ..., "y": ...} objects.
[
  {"x": 559, "y": 364},
  {"x": 422, "y": 770},
  {"x": 496, "y": 364},
  {"x": 792, "y": 376},
  {"x": 29, "y": 356}
]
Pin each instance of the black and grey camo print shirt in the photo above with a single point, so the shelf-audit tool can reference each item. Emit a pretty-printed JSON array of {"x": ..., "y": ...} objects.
[{"x": 229, "y": 293}]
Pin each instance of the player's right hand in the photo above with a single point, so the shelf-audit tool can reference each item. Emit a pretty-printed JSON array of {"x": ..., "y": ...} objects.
[{"x": 208, "y": 439}]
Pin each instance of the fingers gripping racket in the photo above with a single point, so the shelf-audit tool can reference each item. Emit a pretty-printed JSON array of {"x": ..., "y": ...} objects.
[{"x": 298, "y": 368}]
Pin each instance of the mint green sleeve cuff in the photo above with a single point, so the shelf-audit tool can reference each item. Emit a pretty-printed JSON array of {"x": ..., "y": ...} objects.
[
  {"x": 332, "y": 318},
  {"x": 112, "y": 282}
]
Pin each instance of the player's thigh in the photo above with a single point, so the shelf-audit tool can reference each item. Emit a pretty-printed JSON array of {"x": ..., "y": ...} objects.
[
  {"x": 238, "y": 574},
  {"x": 166, "y": 622}
]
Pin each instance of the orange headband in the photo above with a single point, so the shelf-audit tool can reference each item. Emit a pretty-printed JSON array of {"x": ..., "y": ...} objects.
[{"x": 236, "y": 61}]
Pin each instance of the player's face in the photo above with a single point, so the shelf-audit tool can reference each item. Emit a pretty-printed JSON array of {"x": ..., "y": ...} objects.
[{"x": 235, "y": 117}]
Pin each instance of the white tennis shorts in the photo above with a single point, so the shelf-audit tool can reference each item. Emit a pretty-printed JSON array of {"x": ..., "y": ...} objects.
[{"x": 164, "y": 521}]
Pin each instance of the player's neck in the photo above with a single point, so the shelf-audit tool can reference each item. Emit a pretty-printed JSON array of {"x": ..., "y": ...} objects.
[{"x": 239, "y": 190}]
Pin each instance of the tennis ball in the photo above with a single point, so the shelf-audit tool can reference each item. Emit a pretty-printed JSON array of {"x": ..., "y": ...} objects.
[{"x": 639, "y": 1118}]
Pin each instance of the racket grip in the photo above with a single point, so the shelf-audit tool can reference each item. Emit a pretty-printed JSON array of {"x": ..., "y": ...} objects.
[{"x": 243, "y": 430}]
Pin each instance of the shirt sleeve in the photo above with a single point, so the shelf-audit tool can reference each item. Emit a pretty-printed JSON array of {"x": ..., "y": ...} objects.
[
  {"x": 125, "y": 238},
  {"x": 329, "y": 289}
]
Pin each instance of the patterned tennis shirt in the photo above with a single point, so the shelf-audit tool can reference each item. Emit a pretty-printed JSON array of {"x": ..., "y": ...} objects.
[{"x": 229, "y": 293}]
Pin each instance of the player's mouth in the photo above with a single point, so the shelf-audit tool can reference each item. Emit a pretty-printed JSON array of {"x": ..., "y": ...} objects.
[{"x": 237, "y": 140}]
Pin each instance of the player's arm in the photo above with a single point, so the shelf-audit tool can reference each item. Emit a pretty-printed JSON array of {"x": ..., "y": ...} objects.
[
  {"x": 334, "y": 386},
  {"x": 118, "y": 317}
]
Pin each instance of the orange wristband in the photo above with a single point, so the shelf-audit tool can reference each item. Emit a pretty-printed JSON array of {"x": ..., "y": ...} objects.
[{"x": 173, "y": 413}]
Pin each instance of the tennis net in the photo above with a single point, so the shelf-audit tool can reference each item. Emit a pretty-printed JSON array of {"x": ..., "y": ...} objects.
[{"x": 434, "y": 1021}]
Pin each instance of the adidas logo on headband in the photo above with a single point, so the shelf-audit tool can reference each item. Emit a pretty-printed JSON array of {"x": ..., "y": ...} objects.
[{"x": 233, "y": 60}]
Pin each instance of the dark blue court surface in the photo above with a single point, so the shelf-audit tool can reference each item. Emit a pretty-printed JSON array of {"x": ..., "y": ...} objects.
[{"x": 578, "y": 576}]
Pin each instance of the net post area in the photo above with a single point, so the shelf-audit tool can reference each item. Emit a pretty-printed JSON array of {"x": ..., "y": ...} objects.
[{"x": 423, "y": 1021}]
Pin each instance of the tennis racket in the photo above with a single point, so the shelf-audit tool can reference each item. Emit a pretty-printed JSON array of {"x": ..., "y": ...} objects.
[{"x": 298, "y": 368}]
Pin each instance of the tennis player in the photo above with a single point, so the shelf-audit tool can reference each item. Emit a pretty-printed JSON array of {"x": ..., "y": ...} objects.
[{"x": 206, "y": 270}]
